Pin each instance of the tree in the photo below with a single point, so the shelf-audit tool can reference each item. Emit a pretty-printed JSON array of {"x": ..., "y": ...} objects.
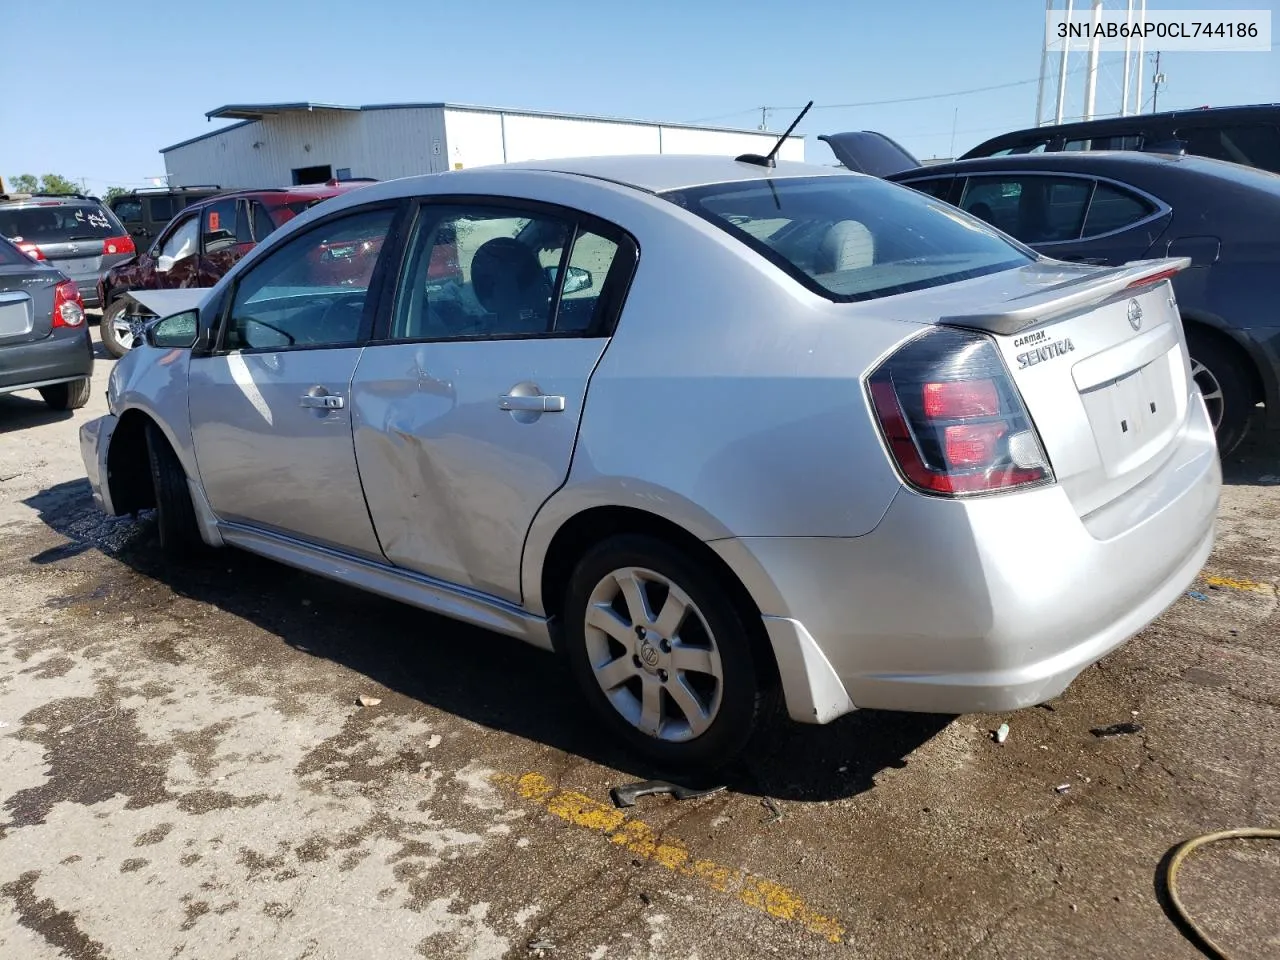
[
  {"x": 113, "y": 192},
  {"x": 49, "y": 183}
]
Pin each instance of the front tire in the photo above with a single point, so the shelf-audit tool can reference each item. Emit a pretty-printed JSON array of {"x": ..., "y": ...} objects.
[
  {"x": 117, "y": 336},
  {"x": 663, "y": 653},
  {"x": 67, "y": 396},
  {"x": 1225, "y": 386},
  {"x": 175, "y": 513}
]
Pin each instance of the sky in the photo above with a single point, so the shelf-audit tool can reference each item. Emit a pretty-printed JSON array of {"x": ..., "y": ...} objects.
[{"x": 149, "y": 72}]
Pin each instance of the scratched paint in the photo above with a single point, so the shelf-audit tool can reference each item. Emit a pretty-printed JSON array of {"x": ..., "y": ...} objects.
[
  {"x": 640, "y": 839},
  {"x": 1233, "y": 583}
]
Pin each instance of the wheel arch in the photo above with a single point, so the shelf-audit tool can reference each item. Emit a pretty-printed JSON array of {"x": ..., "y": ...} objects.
[
  {"x": 128, "y": 468},
  {"x": 1262, "y": 380}
]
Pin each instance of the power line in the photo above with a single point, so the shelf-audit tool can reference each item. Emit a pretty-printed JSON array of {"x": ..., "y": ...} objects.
[{"x": 881, "y": 103}]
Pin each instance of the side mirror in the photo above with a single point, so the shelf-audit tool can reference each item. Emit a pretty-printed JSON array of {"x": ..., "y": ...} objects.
[
  {"x": 164, "y": 263},
  {"x": 575, "y": 281},
  {"x": 176, "y": 331}
]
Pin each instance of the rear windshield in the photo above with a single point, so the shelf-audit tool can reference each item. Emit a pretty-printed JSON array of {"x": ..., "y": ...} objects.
[
  {"x": 11, "y": 255},
  {"x": 42, "y": 223},
  {"x": 853, "y": 237}
]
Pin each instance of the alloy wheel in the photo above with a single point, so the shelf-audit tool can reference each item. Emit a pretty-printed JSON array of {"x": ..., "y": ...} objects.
[
  {"x": 653, "y": 654},
  {"x": 1210, "y": 389}
]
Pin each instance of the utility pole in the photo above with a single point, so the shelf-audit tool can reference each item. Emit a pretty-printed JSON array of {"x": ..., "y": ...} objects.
[
  {"x": 1091, "y": 75},
  {"x": 1062, "y": 72},
  {"x": 1156, "y": 81},
  {"x": 764, "y": 118},
  {"x": 955, "y": 117}
]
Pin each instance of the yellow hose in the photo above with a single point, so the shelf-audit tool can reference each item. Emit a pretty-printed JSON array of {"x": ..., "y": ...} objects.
[{"x": 1185, "y": 850}]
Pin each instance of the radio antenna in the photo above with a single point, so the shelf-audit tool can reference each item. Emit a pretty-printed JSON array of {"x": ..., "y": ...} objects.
[{"x": 768, "y": 160}]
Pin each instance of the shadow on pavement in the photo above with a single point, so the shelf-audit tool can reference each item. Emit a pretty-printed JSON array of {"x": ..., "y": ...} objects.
[
  {"x": 479, "y": 676},
  {"x": 20, "y": 412},
  {"x": 1257, "y": 459}
]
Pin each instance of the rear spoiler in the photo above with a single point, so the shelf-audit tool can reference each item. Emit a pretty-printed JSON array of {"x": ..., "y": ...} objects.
[{"x": 1071, "y": 296}]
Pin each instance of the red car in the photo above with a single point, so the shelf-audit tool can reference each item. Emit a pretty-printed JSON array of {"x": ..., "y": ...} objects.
[{"x": 199, "y": 245}]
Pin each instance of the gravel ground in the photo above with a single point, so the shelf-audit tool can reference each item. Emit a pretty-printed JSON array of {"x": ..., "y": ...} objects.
[{"x": 186, "y": 771}]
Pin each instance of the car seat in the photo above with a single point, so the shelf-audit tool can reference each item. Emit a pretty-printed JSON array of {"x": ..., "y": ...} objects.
[
  {"x": 510, "y": 283},
  {"x": 983, "y": 212},
  {"x": 847, "y": 245}
]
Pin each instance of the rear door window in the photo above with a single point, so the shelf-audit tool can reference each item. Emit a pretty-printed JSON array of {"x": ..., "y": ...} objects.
[
  {"x": 1034, "y": 209},
  {"x": 1114, "y": 209},
  {"x": 263, "y": 225},
  {"x": 1256, "y": 145}
]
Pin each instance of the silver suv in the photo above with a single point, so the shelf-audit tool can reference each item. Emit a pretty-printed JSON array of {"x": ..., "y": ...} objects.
[{"x": 77, "y": 234}]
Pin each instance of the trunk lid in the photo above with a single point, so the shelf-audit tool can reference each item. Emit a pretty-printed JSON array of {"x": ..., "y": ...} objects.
[
  {"x": 1100, "y": 359},
  {"x": 26, "y": 302}
]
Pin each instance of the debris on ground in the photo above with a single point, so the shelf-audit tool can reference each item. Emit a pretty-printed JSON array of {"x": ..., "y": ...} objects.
[
  {"x": 1001, "y": 733},
  {"x": 626, "y": 795},
  {"x": 1116, "y": 730},
  {"x": 1196, "y": 595},
  {"x": 774, "y": 813},
  {"x": 541, "y": 946},
  {"x": 368, "y": 701},
  {"x": 433, "y": 741},
  {"x": 1062, "y": 787}
]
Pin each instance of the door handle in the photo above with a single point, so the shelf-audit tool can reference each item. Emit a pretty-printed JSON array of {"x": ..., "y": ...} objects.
[
  {"x": 326, "y": 401},
  {"x": 539, "y": 403}
]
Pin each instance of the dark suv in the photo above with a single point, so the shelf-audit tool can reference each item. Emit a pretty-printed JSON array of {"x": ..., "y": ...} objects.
[
  {"x": 146, "y": 212},
  {"x": 75, "y": 233},
  {"x": 199, "y": 245},
  {"x": 1248, "y": 135}
]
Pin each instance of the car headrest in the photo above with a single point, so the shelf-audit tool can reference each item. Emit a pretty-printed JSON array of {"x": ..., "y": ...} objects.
[{"x": 847, "y": 245}]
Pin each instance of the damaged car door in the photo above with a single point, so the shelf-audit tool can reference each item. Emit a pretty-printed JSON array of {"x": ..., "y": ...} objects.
[{"x": 466, "y": 406}]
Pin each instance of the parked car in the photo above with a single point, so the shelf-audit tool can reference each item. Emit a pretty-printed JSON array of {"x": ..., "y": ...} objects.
[
  {"x": 1113, "y": 207},
  {"x": 44, "y": 340},
  {"x": 76, "y": 233},
  {"x": 708, "y": 428},
  {"x": 146, "y": 212},
  {"x": 1248, "y": 135},
  {"x": 199, "y": 245}
]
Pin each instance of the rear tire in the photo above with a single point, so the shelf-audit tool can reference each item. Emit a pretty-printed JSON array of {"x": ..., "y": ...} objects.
[
  {"x": 1224, "y": 383},
  {"x": 175, "y": 513},
  {"x": 117, "y": 342},
  {"x": 684, "y": 690},
  {"x": 67, "y": 396}
]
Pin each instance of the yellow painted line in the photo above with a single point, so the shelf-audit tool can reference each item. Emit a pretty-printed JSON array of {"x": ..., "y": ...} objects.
[
  {"x": 642, "y": 840},
  {"x": 1232, "y": 583}
]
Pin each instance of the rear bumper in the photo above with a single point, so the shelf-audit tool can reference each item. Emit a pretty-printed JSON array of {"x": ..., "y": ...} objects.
[
  {"x": 988, "y": 604},
  {"x": 57, "y": 358}
]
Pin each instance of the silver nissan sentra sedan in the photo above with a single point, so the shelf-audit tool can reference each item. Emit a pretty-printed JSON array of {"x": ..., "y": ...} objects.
[{"x": 715, "y": 432}]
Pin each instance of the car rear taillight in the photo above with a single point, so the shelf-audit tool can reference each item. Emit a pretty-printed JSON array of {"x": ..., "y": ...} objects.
[
  {"x": 31, "y": 250},
  {"x": 118, "y": 245},
  {"x": 68, "y": 307},
  {"x": 952, "y": 418}
]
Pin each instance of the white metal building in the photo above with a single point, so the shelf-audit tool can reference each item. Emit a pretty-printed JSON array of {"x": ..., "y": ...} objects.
[{"x": 279, "y": 144}]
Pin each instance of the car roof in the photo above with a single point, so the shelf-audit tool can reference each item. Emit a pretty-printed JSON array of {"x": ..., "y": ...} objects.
[
  {"x": 311, "y": 191},
  {"x": 1114, "y": 162},
  {"x": 45, "y": 199},
  {"x": 657, "y": 173}
]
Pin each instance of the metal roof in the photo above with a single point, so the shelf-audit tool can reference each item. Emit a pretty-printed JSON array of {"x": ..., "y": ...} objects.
[{"x": 252, "y": 113}]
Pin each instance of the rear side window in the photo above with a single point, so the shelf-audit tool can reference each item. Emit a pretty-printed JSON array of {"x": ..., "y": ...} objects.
[
  {"x": 262, "y": 222},
  {"x": 851, "y": 237},
  {"x": 11, "y": 256},
  {"x": 1254, "y": 146},
  {"x": 59, "y": 222},
  {"x": 162, "y": 209},
  {"x": 1114, "y": 209}
]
